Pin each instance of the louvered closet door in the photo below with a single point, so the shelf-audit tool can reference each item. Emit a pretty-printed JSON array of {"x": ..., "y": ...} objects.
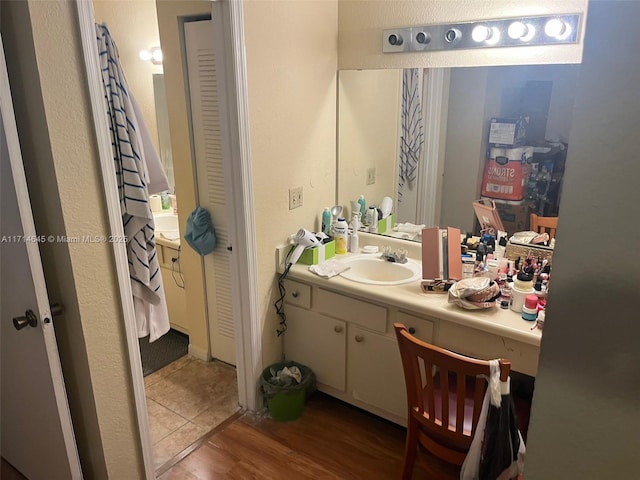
[{"x": 203, "y": 41}]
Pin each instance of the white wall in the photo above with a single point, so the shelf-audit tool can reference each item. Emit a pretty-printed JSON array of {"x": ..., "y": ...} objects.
[
  {"x": 292, "y": 62},
  {"x": 585, "y": 418}
]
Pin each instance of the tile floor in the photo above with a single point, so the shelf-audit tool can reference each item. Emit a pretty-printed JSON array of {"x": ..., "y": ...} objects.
[{"x": 185, "y": 401}]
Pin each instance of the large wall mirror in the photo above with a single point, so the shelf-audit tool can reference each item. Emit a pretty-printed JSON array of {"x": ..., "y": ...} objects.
[{"x": 370, "y": 133}]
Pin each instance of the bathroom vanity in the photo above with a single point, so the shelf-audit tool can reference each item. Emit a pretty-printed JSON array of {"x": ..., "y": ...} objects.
[{"x": 343, "y": 330}]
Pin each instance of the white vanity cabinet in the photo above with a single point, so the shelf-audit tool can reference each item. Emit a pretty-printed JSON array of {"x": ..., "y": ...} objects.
[
  {"x": 350, "y": 345},
  {"x": 343, "y": 330}
]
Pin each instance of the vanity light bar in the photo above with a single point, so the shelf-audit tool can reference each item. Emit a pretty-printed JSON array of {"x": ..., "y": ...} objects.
[{"x": 506, "y": 32}]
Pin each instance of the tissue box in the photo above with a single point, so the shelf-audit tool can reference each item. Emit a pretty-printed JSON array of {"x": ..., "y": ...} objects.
[
  {"x": 386, "y": 224},
  {"x": 316, "y": 255}
]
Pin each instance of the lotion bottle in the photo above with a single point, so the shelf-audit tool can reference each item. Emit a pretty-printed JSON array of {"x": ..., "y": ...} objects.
[{"x": 341, "y": 234}]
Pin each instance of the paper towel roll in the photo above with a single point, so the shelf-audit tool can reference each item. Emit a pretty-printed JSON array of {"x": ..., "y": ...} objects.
[{"x": 156, "y": 203}]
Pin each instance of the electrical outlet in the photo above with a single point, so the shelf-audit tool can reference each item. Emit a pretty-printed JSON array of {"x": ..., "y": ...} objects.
[
  {"x": 371, "y": 176},
  {"x": 295, "y": 197}
]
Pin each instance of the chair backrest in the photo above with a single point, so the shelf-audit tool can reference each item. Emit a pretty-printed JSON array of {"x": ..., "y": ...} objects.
[
  {"x": 445, "y": 391},
  {"x": 543, "y": 225}
]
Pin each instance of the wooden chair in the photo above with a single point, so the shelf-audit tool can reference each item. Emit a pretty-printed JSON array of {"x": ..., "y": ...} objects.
[
  {"x": 543, "y": 225},
  {"x": 441, "y": 385}
]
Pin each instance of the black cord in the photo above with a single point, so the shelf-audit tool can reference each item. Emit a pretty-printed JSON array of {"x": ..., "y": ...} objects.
[
  {"x": 175, "y": 260},
  {"x": 279, "y": 304}
]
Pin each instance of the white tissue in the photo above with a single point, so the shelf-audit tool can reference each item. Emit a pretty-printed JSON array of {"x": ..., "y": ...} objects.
[{"x": 329, "y": 269}]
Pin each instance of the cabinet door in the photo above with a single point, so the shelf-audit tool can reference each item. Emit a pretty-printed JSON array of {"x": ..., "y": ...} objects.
[
  {"x": 174, "y": 294},
  {"x": 317, "y": 342},
  {"x": 374, "y": 371}
]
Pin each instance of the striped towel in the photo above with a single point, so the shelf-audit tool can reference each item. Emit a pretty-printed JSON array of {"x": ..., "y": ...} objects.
[
  {"x": 131, "y": 175},
  {"x": 412, "y": 136}
]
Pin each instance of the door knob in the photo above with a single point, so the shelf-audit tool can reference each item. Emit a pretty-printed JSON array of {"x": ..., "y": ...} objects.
[
  {"x": 359, "y": 338},
  {"x": 29, "y": 320}
]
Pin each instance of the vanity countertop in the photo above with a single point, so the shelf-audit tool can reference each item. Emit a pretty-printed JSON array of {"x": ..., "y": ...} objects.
[
  {"x": 161, "y": 240},
  {"x": 410, "y": 297}
]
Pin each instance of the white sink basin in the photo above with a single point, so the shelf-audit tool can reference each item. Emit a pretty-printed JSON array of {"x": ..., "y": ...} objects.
[
  {"x": 167, "y": 225},
  {"x": 373, "y": 270}
]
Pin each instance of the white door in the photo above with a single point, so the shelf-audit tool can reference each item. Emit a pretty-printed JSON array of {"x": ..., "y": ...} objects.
[
  {"x": 209, "y": 121},
  {"x": 36, "y": 430}
]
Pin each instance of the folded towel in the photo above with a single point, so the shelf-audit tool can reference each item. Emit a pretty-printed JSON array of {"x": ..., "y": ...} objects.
[
  {"x": 329, "y": 269},
  {"x": 409, "y": 228}
]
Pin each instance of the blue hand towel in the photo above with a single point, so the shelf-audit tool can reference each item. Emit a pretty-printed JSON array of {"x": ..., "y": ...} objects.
[{"x": 200, "y": 234}]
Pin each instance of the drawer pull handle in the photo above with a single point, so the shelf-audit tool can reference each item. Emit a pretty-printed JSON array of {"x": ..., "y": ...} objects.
[
  {"x": 412, "y": 330},
  {"x": 359, "y": 338},
  {"x": 294, "y": 294},
  {"x": 337, "y": 329}
]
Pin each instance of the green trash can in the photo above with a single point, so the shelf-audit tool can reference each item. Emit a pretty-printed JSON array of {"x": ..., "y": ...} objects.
[{"x": 285, "y": 396}]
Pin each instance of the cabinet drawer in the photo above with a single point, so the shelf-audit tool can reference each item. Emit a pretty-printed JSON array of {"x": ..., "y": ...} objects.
[
  {"x": 478, "y": 344},
  {"x": 422, "y": 329},
  {"x": 165, "y": 255},
  {"x": 297, "y": 293},
  {"x": 351, "y": 310}
]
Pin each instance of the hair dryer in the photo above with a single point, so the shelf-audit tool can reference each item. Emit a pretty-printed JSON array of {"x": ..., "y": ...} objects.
[{"x": 304, "y": 238}]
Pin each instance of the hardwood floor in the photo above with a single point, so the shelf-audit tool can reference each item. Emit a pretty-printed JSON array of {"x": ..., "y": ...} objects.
[{"x": 332, "y": 440}]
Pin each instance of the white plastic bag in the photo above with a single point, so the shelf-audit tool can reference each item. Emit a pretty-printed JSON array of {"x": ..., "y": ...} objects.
[{"x": 471, "y": 467}]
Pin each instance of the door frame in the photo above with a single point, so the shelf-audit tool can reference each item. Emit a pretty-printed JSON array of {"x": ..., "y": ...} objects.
[{"x": 244, "y": 274}]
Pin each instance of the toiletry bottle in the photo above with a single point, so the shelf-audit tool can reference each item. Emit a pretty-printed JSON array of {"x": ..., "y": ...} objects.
[
  {"x": 363, "y": 206},
  {"x": 340, "y": 234},
  {"x": 353, "y": 238},
  {"x": 166, "y": 202},
  {"x": 372, "y": 219},
  {"x": 326, "y": 221}
]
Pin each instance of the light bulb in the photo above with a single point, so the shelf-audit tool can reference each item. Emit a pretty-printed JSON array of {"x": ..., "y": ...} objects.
[
  {"x": 554, "y": 28},
  {"x": 145, "y": 55},
  {"x": 531, "y": 32},
  {"x": 517, "y": 30},
  {"x": 494, "y": 37},
  {"x": 480, "y": 33},
  {"x": 156, "y": 56}
]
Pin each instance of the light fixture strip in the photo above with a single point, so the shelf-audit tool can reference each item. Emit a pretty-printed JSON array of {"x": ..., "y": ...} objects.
[{"x": 506, "y": 32}]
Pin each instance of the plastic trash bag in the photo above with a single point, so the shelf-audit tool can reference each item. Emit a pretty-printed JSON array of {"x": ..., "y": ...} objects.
[
  {"x": 497, "y": 449},
  {"x": 287, "y": 376},
  {"x": 474, "y": 293}
]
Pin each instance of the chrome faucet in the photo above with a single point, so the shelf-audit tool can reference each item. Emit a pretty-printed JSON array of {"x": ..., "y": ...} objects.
[{"x": 399, "y": 256}]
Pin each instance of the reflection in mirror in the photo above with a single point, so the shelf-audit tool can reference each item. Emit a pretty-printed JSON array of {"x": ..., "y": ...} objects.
[
  {"x": 369, "y": 136},
  {"x": 164, "y": 135}
]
